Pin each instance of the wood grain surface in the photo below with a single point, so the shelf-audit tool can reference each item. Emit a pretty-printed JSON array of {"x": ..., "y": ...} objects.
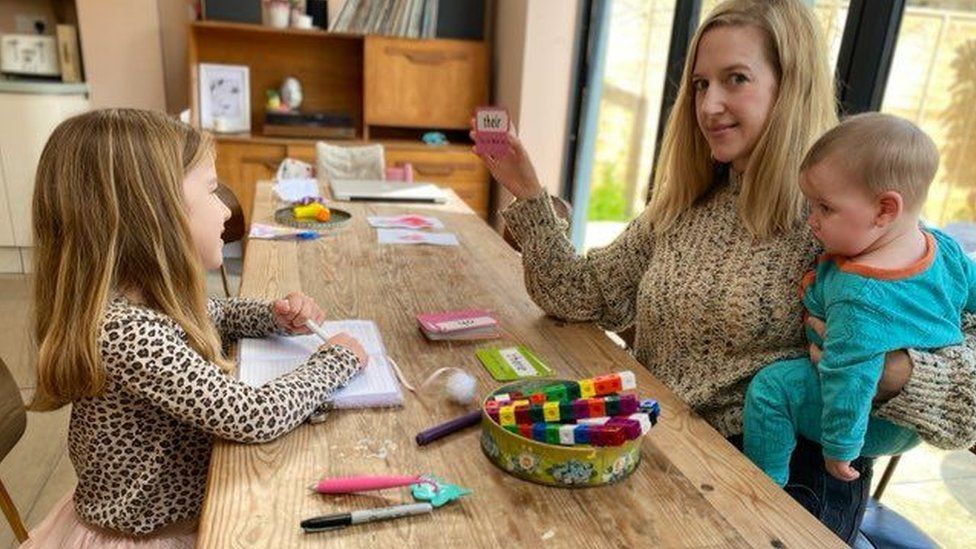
[{"x": 691, "y": 489}]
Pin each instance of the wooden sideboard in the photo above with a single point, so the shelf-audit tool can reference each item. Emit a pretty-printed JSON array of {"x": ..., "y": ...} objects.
[
  {"x": 394, "y": 89},
  {"x": 243, "y": 161}
]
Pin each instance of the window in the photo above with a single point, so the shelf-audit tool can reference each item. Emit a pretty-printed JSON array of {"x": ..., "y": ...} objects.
[
  {"x": 629, "y": 108},
  {"x": 932, "y": 82},
  {"x": 630, "y": 105}
]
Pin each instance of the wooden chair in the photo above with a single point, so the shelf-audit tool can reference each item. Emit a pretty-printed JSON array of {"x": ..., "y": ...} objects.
[
  {"x": 13, "y": 421},
  {"x": 234, "y": 228}
]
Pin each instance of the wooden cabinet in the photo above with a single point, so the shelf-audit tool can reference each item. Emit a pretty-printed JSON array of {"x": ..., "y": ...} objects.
[
  {"x": 457, "y": 168},
  {"x": 28, "y": 120},
  {"x": 241, "y": 163},
  {"x": 424, "y": 83},
  {"x": 328, "y": 65},
  {"x": 394, "y": 90}
]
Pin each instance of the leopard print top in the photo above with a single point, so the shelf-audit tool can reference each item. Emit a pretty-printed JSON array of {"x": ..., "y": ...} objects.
[{"x": 141, "y": 450}]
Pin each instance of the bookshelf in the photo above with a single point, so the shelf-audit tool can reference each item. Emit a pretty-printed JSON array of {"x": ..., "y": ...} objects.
[{"x": 394, "y": 89}]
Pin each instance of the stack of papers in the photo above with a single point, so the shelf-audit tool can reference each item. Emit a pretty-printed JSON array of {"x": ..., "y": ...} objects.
[
  {"x": 408, "y": 221},
  {"x": 459, "y": 325},
  {"x": 409, "y": 236},
  {"x": 405, "y": 229},
  {"x": 294, "y": 190}
]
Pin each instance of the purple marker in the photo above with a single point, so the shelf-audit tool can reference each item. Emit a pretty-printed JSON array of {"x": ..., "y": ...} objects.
[{"x": 446, "y": 428}]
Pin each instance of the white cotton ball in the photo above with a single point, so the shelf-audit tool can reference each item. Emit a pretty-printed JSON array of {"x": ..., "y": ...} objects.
[{"x": 460, "y": 387}]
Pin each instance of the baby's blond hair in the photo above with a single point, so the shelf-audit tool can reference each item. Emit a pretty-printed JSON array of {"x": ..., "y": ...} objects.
[{"x": 883, "y": 152}]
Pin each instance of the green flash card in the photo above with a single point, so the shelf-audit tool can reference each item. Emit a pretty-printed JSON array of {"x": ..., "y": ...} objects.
[{"x": 511, "y": 363}]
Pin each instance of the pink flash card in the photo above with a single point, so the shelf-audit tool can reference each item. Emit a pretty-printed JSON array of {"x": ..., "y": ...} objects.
[
  {"x": 456, "y": 321},
  {"x": 491, "y": 131}
]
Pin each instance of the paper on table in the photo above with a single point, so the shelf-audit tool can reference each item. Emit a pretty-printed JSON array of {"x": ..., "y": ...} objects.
[
  {"x": 407, "y": 236},
  {"x": 262, "y": 231},
  {"x": 293, "y": 190},
  {"x": 262, "y": 360},
  {"x": 408, "y": 221}
]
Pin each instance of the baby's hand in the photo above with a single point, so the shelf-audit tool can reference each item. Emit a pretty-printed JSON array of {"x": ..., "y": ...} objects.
[
  {"x": 841, "y": 470},
  {"x": 291, "y": 312}
]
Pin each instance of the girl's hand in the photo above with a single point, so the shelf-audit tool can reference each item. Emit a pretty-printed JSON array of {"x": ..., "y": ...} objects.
[
  {"x": 291, "y": 312},
  {"x": 841, "y": 470},
  {"x": 342, "y": 339},
  {"x": 513, "y": 169},
  {"x": 897, "y": 367}
]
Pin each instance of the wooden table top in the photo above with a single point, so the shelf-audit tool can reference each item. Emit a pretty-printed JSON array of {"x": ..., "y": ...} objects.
[{"x": 692, "y": 488}]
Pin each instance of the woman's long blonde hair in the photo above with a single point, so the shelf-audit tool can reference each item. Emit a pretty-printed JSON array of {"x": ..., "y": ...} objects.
[
  {"x": 108, "y": 216},
  {"x": 770, "y": 201}
]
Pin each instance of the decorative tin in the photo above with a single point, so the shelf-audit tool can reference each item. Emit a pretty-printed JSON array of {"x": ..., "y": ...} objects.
[{"x": 553, "y": 464}]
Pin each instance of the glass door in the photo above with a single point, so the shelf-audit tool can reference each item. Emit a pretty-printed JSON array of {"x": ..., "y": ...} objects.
[
  {"x": 634, "y": 68},
  {"x": 932, "y": 82}
]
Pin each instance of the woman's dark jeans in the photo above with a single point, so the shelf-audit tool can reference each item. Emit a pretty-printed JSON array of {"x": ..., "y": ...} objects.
[{"x": 839, "y": 505}]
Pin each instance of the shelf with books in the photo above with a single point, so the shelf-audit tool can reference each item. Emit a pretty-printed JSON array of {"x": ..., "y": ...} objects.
[
  {"x": 392, "y": 90},
  {"x": 414, "y": 18}
]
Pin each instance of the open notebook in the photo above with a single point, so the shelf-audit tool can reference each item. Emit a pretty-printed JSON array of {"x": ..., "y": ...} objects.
[{"x": 262, "y": 360}]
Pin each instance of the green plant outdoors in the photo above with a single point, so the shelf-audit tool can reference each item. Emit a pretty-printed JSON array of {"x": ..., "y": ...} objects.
[{"x": 608, "y": 200}]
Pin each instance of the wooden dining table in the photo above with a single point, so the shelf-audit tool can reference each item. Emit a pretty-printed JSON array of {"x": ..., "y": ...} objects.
[{"x": 692, "y": 488}]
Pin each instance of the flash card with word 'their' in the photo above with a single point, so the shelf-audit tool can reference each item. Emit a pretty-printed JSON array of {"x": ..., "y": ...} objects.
[{"x": 491, "y": 131}]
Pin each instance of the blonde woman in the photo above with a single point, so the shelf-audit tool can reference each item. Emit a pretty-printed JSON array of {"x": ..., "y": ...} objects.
[
  {"x": 708, "y": 273},
  {"x": 126, "y": 220}
]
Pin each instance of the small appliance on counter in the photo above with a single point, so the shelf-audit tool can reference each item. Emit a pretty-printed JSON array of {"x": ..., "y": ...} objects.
[{"x": 29, "y": 55}]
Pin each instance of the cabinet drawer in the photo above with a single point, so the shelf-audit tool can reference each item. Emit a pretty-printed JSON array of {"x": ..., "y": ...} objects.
[
  {"x": 424, "y": 83},
  {"x": 241, "y": 165},
  {"x": 474, "y": 194},
  {"x": 463, "y": 172},
  {"x": 439, "y": 166},
  {"x": 305, "y": 153}
]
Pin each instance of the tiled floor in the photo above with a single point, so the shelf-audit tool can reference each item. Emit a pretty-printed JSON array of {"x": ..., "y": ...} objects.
[{"x": 934, "y": 489}]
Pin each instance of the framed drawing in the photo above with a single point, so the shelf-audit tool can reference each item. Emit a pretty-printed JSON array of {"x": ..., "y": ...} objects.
[{"x": 225, "y": 98}]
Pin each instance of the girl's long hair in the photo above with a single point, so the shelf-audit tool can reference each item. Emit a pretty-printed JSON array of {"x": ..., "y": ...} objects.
[{"x": 109, "y": 216}]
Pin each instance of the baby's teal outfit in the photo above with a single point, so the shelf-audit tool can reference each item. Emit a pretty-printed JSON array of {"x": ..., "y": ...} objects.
[{"x": 868, "y": 313}]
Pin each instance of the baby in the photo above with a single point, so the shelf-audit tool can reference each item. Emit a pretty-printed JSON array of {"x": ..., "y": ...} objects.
[{"x": 885, "y": 283}]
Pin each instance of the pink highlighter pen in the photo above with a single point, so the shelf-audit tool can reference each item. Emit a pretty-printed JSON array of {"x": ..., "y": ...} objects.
[{"x": 349, "y": 485}]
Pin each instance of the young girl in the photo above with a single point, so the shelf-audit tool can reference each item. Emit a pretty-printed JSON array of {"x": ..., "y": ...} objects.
[{"x": 126, "y": 221}]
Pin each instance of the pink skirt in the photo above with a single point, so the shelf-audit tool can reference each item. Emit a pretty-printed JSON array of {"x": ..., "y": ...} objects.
[{"x": 63, "y": 529}]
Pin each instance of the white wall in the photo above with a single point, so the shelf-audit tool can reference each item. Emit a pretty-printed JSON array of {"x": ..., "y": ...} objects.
[
  {"x": 546, "y": 85},
  {"x": 122, "y": 52},
  {"x": 533, "y": 58},
  {"x": 174, "y": 26}
]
